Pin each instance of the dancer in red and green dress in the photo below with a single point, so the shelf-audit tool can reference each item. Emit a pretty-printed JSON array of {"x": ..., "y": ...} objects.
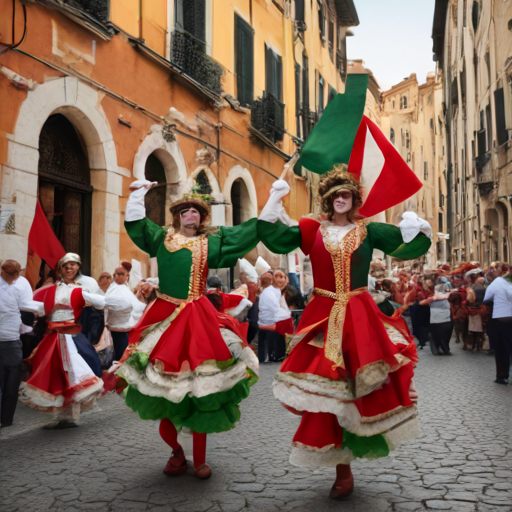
[
  {"x": 349, "y": 373},
  {"x": 185, "y": 370}
]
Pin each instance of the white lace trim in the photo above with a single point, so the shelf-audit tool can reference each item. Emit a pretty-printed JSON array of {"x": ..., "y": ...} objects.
[
  {"x": 311, "y": 383},
  {"x": 347, "y": 413},
  {"x": 328, "y": 456},
  {"x": 205, "y": 380},
  {"x": 302, "y": 457},
  {"x": 395, "y": 335},
  {"x": 35, "y": 398},
  {"x": 335, "y": 234}
]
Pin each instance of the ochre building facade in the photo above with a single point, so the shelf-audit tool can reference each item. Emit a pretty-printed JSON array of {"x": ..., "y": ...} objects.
[{"x": 194, "y": 94}]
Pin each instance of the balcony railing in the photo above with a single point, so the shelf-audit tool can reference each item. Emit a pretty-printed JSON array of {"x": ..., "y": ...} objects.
[
  {"x": 267, "y": 116},
  {"x": 98, "y": 9},
  {"x": 188, "y": 54}
]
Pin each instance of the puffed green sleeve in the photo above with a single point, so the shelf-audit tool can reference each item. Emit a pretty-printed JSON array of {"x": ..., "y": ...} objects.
[
  {"x": 388, "y": 239},
  {"x": 146, "y": 235},
  {"x": 231, "y": 243},
  {"x": 278, "y": 238}
]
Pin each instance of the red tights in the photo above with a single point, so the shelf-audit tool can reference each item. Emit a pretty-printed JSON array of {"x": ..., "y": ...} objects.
[{"x": 169, "y": 434}]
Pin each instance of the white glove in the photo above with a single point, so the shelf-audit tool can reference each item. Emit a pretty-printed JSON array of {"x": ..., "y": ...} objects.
[
  {"x": 411, "y": 225},
  {"x": 274, "y": 210},
  {"x": 135, "y": 208},
  {"x": 143, "y": 184}
]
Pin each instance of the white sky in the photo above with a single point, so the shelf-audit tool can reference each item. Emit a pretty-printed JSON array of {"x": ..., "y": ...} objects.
[{"x": 394, "y": 39}]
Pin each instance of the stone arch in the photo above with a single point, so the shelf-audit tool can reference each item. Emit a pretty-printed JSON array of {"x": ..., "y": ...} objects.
[
  {"x": 169, "y": 153},
  {"x": 492, "y": 231},
  {"x": 503, "y": 233},
  {"x": 214, "y": 184},
  {"x": 80, "y": 104},
  {"x": 239, "y": 172}
]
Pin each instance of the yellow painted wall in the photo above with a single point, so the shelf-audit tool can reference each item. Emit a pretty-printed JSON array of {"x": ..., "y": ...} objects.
[
  {"x": 125, "y": 14},
  {"x": 271, "y": 27},
  {"x": 154, "y": 24}
]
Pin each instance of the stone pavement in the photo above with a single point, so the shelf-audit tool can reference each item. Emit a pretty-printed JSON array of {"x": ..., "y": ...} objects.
[{"x": 114, "y": 461}]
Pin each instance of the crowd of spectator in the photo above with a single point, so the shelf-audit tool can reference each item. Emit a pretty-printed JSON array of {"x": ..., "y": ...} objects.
[{"x": 466, "y": 304}]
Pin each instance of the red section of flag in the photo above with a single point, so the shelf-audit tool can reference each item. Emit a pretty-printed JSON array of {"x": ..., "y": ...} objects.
[
  {"x": 396, "y": 181},
  {"x": 42, "y": 245}
]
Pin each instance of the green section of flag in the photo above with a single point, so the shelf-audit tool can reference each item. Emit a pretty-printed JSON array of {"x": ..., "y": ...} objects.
[{"x": 332, "y": 138}]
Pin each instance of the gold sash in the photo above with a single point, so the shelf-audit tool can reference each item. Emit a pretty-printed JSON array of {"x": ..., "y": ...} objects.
[
  {"x": 333, "y": 349},
  {"x": 341, "y": 254}
]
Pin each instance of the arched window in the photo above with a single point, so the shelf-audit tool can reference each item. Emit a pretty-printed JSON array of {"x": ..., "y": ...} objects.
[
  {"x": 392, "y": 135},
  {"x": 155, "y": 198},
  {"x": 241, "y": 201},
  {"x": 203, "y": 184}
]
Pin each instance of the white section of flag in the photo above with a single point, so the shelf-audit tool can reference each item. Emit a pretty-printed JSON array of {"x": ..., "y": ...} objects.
[{"x": 373, "y": 162}]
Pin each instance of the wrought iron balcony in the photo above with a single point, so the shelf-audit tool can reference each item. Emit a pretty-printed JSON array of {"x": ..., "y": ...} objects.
[
  {"x": 267, "y": 116},
  {"x": 481, "y": 161},
  {"x": 188, "y": 54},
  {"x": 97, "y": 9}
]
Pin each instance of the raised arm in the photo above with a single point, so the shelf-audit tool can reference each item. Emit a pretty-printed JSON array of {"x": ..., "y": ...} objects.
[
  {"x": 276, "y": 230},
  {"x": 410, "y": 240},
  {"x": 231, "y": 243},
  {"x": 145, "y": 234}
]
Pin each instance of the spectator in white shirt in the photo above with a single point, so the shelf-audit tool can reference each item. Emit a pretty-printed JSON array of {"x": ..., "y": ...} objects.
[
  {"x": 280, "y": 283},
  {"x": 104, "y": 281},
  {"x": 122, "y": 309},
  {"x": 15, "y": 296},
  {"x": 268, "y": 307},
  {"x": 499, "y": 293}
]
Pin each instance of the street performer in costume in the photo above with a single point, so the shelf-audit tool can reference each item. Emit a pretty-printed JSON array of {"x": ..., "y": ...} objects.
[
  {"x": 184, "y": 371},
  {"x": 349, "y": 373},
  {"x": 66, "y": 371}
]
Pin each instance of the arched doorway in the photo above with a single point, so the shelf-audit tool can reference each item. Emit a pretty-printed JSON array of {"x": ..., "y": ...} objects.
[
  {"x": 493, "y": 235},
  {"x": 241, "y": 201},
  {"x": 65, "y": 190},
  {"x": 161, "y": 167},
  {"x": 156, "y": 198},
  {"x": 502, "y": 234}
]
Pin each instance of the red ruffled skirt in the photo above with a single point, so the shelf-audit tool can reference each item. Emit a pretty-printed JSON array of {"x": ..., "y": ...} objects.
[
  {"x": 60, "y": 379},
  {"x": 346, "y": 407}
]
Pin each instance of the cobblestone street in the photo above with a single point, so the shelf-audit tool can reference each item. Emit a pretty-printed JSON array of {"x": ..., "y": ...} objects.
[{"x": 114, "y": 461}]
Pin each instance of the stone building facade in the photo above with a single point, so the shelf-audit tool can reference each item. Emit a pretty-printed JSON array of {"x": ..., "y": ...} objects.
[
  {"x": 189, "y": 93},
  {"x": 412, "y": 118},
  {"x": 473, "y": 48}
]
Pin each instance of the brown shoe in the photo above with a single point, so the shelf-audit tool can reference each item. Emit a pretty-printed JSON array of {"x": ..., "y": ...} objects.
[
  {"x": 203, "y": 472},
  {"x": 344, "y": 484},
  {"x": 177, "y": 464}
]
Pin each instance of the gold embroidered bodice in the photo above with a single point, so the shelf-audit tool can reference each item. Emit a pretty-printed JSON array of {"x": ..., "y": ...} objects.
[
  {"x": 198, "y": 246},
  {"x": 341, "y": 254}
]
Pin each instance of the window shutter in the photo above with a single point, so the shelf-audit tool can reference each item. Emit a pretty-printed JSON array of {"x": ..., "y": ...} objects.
[
  {"x": 244, "y": 61},
  {"x": 299, "y": 10},
  {"x": 499, "y": 107}
]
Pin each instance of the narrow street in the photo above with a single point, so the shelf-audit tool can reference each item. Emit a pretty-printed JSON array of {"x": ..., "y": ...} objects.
[{"x": 114, "y": 461}]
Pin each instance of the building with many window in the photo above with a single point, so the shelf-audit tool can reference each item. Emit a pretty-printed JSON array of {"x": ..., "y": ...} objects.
[
  {"x": 412, "y": 118},
  {"x": 473, "y": 48},
  {"x": 215, "y": 96}
]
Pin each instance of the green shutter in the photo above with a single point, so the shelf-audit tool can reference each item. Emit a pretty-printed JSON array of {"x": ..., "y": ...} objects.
[{"x": 244, "y": 61}]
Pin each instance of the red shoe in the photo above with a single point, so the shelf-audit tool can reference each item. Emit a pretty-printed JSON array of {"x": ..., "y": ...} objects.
[
  {"x": 177, "y": 464},
  {"x": 344, "y": 484},
  {"x": 203, "y": 472}
]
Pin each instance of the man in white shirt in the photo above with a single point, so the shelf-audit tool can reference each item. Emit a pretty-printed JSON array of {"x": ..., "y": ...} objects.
[
  {"x": 284, "y": 313},
  {"x": 15, "y": 296},
  {"x": 268, "y": 307},
  {"x": 122, "y": 309},
  {"x": 499, "y": 293}
]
